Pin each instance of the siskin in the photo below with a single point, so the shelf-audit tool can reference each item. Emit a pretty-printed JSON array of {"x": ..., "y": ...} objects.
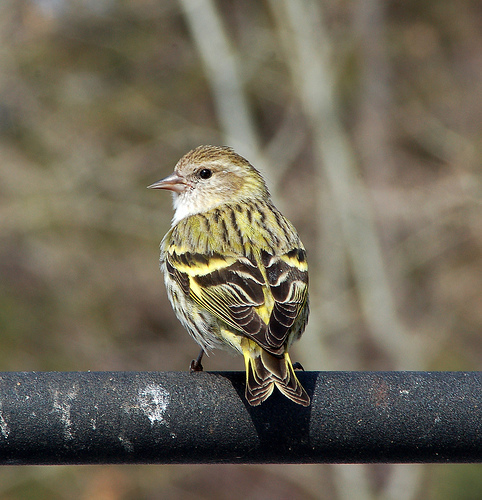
[{"x": 235, "y": 268}]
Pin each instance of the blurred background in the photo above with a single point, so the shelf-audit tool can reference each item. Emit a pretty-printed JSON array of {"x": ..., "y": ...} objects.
[{"x": 365, "y": 119}]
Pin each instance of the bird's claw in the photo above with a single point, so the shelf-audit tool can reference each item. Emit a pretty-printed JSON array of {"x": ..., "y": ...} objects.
[{"x": 195, "y": 366}]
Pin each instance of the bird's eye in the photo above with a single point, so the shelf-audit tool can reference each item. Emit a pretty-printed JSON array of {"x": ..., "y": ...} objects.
[{"x": 205, "y": 173}]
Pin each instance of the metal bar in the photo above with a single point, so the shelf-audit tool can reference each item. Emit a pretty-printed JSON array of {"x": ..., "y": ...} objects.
[{"x": 177, "y": 417}]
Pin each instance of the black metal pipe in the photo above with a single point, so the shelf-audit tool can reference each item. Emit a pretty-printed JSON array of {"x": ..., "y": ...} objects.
[{"x": 178, "y": 417}]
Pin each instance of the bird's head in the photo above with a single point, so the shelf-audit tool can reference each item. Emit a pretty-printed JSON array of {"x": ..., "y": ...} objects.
[{"x": 210, "y": 176}]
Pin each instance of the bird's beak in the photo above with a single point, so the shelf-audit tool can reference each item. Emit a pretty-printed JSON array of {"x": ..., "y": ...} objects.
[{"x": 173, "y": 182}]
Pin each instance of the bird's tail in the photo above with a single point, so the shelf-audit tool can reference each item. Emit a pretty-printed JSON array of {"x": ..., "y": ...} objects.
[{"x": 264, "y": 371}]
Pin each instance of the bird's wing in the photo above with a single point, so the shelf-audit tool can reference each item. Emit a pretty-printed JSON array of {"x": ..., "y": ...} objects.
[
  {"x": 287, "y": 277},
  {"x": 235, "y": 290}
]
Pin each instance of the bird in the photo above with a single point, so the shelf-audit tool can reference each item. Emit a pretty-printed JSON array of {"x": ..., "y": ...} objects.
[{"x": 235, "y": 269}]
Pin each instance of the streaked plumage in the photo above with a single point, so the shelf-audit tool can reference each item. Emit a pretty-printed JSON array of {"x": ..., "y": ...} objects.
[{"x": 235, "y": 268}]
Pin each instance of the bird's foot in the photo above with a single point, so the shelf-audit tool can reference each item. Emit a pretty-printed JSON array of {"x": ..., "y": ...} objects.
[
  {"x": 196, "y": 365},
  {"x": 298, "y": 366}
]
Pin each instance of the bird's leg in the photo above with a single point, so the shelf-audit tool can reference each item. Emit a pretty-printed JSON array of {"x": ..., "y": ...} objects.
[
  {"x": 298, "y": 366},
  {"x": 196, "y": 365}
]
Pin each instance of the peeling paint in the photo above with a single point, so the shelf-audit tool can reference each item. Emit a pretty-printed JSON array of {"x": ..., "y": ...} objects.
[
  {"x": 153, "y": 401},
  {"x": 62, "y": 406},
  {"x": 126, "y": 444},
  {"x": 4, "y": 429}
]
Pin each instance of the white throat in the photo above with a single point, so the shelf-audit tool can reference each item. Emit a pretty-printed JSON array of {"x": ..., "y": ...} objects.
[{"x": 185, "y": 206}]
